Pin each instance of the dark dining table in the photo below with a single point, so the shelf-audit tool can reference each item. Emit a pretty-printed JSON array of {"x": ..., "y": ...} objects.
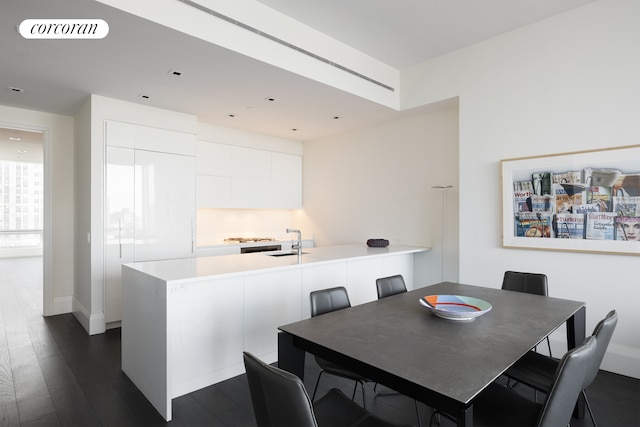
[{"x": 444, "y": 363}]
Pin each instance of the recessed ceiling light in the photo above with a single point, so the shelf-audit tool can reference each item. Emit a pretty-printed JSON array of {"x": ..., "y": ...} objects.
[
  {"x": 336, "y": 117},
  {"x": 294, "y": 129},
  {"x": 14, "y": 138},
  {"x": 143, "y": 96},
  {"x": 15, "y": 89},
  {"x": 270, "y": 99},
  {"x": 231, "y": 115},
  {"x": 175, "y": 73}
]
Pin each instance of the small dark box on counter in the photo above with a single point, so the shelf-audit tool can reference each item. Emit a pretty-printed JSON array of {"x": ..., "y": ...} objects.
[{"x": 377, "y": 243}]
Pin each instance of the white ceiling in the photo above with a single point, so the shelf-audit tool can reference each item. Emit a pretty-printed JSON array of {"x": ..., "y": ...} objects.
[
  {"x": 21, "y": 145},
  {"x": 135, "y": 58},
  {"x": 403, "y": 33}
]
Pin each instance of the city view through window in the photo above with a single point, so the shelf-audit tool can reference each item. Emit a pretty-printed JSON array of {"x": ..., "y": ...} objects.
[{"x": 21, "y": 190}]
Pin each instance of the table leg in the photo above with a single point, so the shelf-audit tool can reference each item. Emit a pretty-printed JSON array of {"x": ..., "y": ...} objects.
[
  {"x": 576, "y": 329},
  {"x": 465, "y": 418},
  {"x": 290, "y": 358},
  {"x": 576, "y": 333}
]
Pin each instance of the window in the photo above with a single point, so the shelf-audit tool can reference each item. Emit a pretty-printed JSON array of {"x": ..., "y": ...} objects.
[{"x": 21, "y": 219}]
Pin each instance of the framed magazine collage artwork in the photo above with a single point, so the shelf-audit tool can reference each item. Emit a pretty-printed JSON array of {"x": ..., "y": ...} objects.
[{"x": 585, "y": 201}]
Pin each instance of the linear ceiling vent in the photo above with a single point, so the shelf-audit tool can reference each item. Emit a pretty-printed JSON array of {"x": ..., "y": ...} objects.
[{"x": 284, "y": 43}]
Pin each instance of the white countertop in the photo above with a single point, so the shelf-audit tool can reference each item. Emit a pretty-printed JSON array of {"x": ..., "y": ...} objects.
[{"x": 223, "y": 265}]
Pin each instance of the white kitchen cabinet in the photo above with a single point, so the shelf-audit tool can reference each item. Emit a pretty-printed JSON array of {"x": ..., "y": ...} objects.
[
  {"x": 239, "y": 177},
  {"x": 270, "y": 300},
  {"x": 129, "y": 135},
  {"x": 250, "y": 162},
  {"x": 213, "y": 191},
  {"x": 119, "y": 225},
  {"x": 285, "y": 195},
  {"x": 250, "y": 192},
  {"x": 213, "y": 159},
  {"x": 149, "y": 203},
  {"x": 286, "y": 181},
  {"x": 164, "y": 206},
  {"x": 286, "y": 167}
]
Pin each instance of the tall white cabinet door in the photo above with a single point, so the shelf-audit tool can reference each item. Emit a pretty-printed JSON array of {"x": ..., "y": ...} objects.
[
  {"x": 119, "y": 225},
  {"x": 286, "y": 181},
  {"x": 165, "y": 203}
]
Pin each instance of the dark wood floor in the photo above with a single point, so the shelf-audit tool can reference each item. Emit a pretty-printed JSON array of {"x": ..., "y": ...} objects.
[{"x": 53, "y": 374}]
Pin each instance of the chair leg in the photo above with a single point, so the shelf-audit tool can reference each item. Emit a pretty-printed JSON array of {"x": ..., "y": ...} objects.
[
  {"x": 586, "y": 401},
  {"x": 435, "y": 414},
  {"x": 316, "y": 387},
  {"x": 380, "y": 393},
  {"x": 549, "y": 346},
  {"x": 418, "y": 413}
]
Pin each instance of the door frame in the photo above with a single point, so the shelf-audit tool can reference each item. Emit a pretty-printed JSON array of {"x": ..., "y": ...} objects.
[{"x": 47, "y": 244}]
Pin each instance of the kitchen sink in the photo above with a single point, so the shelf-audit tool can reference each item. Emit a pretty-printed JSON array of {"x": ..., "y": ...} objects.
[{"x": 283, "y": 253}]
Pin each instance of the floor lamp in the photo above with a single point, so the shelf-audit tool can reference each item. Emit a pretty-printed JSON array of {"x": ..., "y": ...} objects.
[{"x": 442, "y": 188}]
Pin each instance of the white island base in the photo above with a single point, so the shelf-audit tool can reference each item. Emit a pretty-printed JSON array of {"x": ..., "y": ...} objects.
[{"x": 186, "y": 322}]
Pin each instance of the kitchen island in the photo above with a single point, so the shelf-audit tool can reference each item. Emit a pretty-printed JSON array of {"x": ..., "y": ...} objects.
[{"x": 186, "y": 322}]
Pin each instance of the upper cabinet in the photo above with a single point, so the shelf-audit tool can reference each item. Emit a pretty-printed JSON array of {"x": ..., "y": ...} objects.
[
  {"x": 213, "y": 159},
  {"x": 286, "y": 178},
  {"x": 230, "y": 176},
  {"x": 128, "y": 135}
]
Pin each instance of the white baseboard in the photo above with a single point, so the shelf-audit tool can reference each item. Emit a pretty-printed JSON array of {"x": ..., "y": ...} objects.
[
  {"x": 93, "y": 323},
  {"x": 622, "y": 360},
  {"x": 61, "y": 305}
]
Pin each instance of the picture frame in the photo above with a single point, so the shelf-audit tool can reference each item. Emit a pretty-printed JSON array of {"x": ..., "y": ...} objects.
[{"x": 583, "y": 201}]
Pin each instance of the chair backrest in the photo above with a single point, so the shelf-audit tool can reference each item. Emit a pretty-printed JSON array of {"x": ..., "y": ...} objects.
[
  {"x": 326, "y": 300},
  {"x": 391, "y": 285},
  {"x": 568, "y": 384},
  {"x": 603, "y": 332},
  {"x": 279, "y": 397},
  {"x": 530, "y": 283}
]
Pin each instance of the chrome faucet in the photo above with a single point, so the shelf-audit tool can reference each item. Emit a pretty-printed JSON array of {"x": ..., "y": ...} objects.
[{"x": 297, "y": 246}]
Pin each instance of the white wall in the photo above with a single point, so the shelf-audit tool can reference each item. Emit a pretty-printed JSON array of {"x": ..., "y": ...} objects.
[
  {"x": 59, "y": 200},
  {"x": 568, "y": 83},
  {"x": 82, "y": 217},
  {"x": 376, "y": 183}
]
